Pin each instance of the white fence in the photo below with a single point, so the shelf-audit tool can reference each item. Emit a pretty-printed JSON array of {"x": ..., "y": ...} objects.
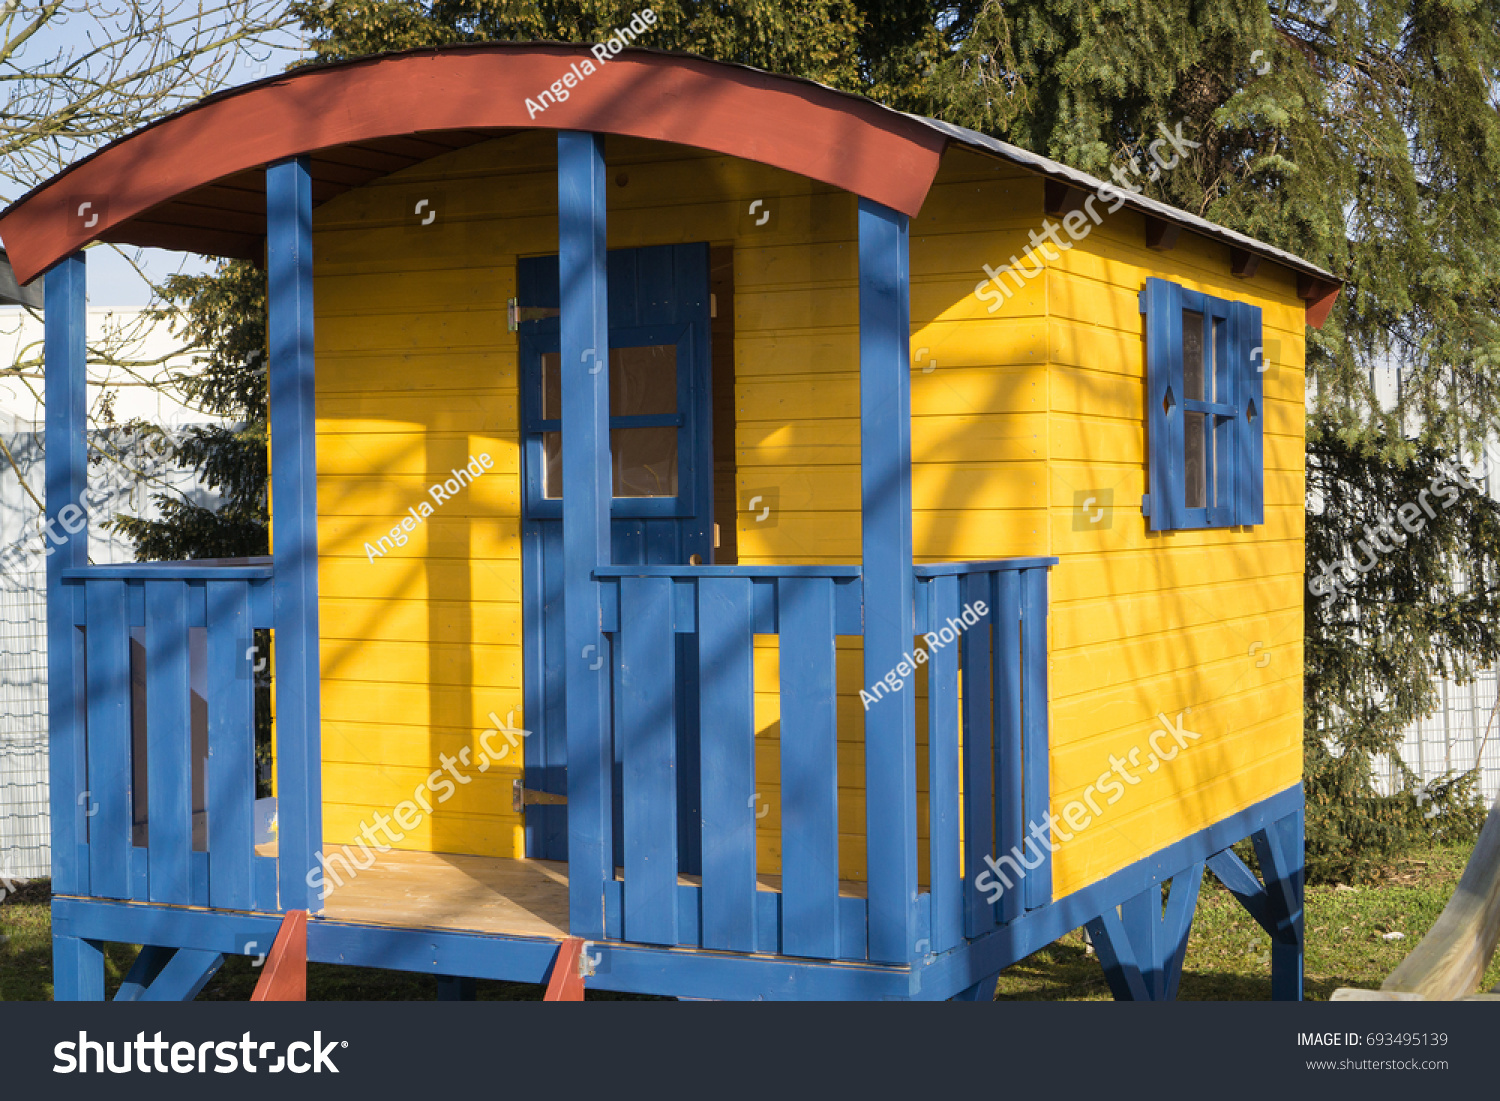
[{"x": 1463, "y": 733}]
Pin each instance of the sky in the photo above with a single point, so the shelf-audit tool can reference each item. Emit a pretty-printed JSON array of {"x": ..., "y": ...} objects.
[{"x": 113, "y": 282}]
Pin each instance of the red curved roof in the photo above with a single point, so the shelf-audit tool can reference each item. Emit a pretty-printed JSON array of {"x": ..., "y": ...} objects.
[{"x": 190, "y": 180}]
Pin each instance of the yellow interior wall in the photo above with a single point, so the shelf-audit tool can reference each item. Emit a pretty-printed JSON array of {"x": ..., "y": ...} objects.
[
  {"x": 1012, "y": 411},
  {"x": 417, "y": 371}
]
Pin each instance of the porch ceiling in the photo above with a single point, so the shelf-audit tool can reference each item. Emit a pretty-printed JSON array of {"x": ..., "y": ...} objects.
[{"x": 228, "y": 216}]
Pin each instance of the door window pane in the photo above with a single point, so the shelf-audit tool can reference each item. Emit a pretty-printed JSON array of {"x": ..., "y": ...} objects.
[
  {"x": 552, "y": 465},
  {"x": 645, "y": 461},
  {"x": 551, "y": 385},
  {"x": 643, "y": 381}
]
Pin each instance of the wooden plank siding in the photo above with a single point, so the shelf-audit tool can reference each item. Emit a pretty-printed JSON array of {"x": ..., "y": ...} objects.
[
  {"x": 417, "y": 371},
  {"x": 1145, "y": 624},
  {"x": 1012, "y": 413}
]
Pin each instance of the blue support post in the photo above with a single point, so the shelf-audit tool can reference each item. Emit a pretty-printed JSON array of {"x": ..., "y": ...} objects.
[
  {"x": 143, "y": 972},
  {"x": 885, "y": 484},
  {"x": 77, "y": 969},
  {"x": 66, "y": 482},
  {"x": 1280, "y": 849},
  {"x": 183, "y": 976},
  {"x": 294, "y": 488},
  {"x": 1117, "y": 956},
  {"x": 587, "y": 489},
  {"x": 1182, "y": 903}
]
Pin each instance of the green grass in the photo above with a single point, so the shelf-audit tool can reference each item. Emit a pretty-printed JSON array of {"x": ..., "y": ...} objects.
[{"x": 1228, "y": 955}]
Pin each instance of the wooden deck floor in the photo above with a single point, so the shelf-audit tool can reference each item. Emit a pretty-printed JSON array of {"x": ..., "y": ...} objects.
[
  {"x": 475, "y": 893},
  {"x": 414, "y": 890}
]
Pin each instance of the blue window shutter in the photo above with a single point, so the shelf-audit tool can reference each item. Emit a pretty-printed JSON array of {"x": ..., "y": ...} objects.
[
  {"x": 1161, "y": 302},
  {"x": 1250, "y": 401}
]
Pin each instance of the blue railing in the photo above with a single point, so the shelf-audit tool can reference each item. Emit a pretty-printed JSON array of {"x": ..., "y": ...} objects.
[
  {"x": 164, "y": 776},
  {"x": 645, "y": 611},
  {"x": 681, "y": 662},
  {"x": 986, "y": 728}
]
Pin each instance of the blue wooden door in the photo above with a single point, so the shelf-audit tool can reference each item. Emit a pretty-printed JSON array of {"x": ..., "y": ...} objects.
[{"x": 662, "y": 514}]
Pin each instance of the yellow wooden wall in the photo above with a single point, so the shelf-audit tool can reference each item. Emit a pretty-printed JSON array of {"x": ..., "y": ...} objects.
[
  {"x": 1142, "y": 624},
  {"x": 417, "y": 371}
]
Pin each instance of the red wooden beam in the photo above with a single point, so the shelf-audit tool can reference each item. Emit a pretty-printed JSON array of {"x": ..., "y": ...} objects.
[
  {"x": 566, "y": 983},
  {"x": 795, "y": 125},
  {"x": 1059, "y": 199},
  {"x": 284, "y": 977},
  {"x": 1161, "y": 235},
  {"x": 1320, "y": 295},
  {"x": 1243, "y": 264}
]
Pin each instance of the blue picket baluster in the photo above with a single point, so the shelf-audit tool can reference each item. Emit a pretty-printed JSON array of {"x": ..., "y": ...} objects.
[
  {"x": 169, "y": 776},
  {"x": 726, "y": 676},
  {"x": 979, "y": 774},
  {"x": 108, "y": 800},
  {"x": 943, "y": 770},
  {"x": 231, "y": 746},
  {"x": 1035, "y": 740},
  {"x": 647, "y": 733},
  {"x": 809, "y": 769},
  {"x": 1010, "y": 806}
]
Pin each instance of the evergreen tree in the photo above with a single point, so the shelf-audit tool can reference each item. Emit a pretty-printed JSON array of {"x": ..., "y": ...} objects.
[
  {"x": 1363, "y": 136},
  {"x": 883, "y": 50},
  {"x": 222, "y": 316}
]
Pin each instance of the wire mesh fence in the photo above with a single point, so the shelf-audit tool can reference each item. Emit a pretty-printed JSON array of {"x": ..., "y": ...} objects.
[
  {"x": 25, "y": 850},
  {"x": 1462, "y": 734}
]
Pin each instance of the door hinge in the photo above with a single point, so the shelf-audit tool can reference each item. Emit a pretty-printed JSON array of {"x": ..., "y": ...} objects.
[
  {"x": 516, "y": 313},
  {"x": 522, "y": 797}
]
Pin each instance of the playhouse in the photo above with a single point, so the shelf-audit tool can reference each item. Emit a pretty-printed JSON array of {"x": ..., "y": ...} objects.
[{"x": 730, "y": 539}]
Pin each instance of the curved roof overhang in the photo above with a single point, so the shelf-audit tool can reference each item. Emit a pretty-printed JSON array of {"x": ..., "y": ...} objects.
[{"x": 195, "y": 181}]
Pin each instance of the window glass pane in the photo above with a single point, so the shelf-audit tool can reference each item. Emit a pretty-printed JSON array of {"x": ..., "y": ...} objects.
[
  {"x": 552, "y": 465},
  {"x": 645, "y": 461},
  {"x": 1212, "y": 436},
  {"x": 551, "y": 385},
  {"x": 643, "y": 380},
  {"x": 1211, "y": 362},
  {"x": 1195, "y": 455},
  {"x": 1192, "y": 355}
]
